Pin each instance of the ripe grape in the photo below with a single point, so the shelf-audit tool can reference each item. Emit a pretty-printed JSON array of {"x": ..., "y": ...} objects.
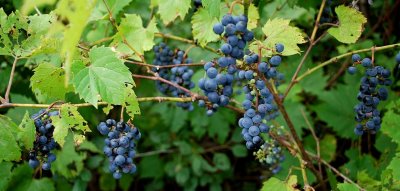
[
  {"x": 44, "y": 142},
  {"x": 119, "y": 146}
]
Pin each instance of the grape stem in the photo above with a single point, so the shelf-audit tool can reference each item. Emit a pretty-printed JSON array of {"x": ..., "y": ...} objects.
[
  {"x": 7, "y": 95},
  {"x": 164, "y": 66},
  {"x": 173, "y": 37},
  {"x": 335, "y": 59},
  {"x": 315, "y": 139}
]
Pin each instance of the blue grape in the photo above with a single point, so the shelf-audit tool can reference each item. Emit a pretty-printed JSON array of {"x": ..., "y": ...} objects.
[
  {"x": 218, "y": 28},
  {"x": 352, "y": 70},
  {"x": 279, "y": 47},
  {"x": 355, "y": 57}
]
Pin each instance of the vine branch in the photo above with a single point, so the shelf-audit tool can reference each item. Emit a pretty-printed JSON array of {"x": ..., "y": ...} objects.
[{"x": 7, "y": 95}]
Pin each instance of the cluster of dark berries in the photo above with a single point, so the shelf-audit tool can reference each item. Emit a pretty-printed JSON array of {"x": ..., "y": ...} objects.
[
  {"x": 372, "y": 92},
  {"x": 119, "y": 146},
  {"x": 180, "y": 75},
  {"x": 44, "y": 143}
]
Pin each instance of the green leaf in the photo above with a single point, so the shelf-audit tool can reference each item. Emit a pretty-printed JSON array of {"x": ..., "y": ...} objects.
[
  {"x": 347, "y": 187},
  {"x": 212, "y": 6},
  {"x": 169, "y": 10},
  {"x": 8, "y": 144},
  {"x": 395, "y": 165},
  {"x": 351, "y": 24},
  {"x": 182, "y": 176},
  {"x": 221, "y": 161},
  {"x": 69, "y": 163},
  {"x": 338, "y": 106},
  {"x": 29, "y": 5},
  {"x": 104, "y": 79},
  {"x": 131, "y": 103},
  {"x": 276, "y": 184},
  {"x": 239, "y": 150},
  {"x": 5, "y": 174},
  {"x": 101, "y": 12},
  {"x": 202, "y": 26},
  {"x": 18, "y": 113},
  {"x": 327, "y": 146},
  {"x": 152, "y": 167},
  {"x": 359, "y": 163},
  {"x": 139, "y": 38},
  {"x": 27, "y": 132},
  {"x": 390, "y": 121},
  {"x": 49, "y": 80},
  {"x": 77, "y": 13},
  {"x": 279, "y": 31},
  {"x": 69, "y": 118}
]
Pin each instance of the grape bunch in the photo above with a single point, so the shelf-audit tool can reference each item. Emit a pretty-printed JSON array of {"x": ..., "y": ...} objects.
[
  {"x": 119, "y": 146},
  {"x": 180, "y": 75},
  {"x": 44, "y": 141},
  {"x": 372, "y": 92},
  {"x": 271, "y": 154},
  {"x": 220, "y": 74},
  {"x": 258, "y": 101}
]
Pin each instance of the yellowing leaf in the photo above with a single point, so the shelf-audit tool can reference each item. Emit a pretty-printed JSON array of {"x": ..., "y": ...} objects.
[
  {"x": 49, "y": 80},
  {"x": 351, "y": 24},
  {"x": 202, "y": 25},
  {"x": 131, "y": 103},
  {"x": 69, "y": 118},
  {"x": 276, "y": 184},
  {"x": 253, "y": 15},
  {"x": 140, "y": 38},
  {"x": 169, "y": 10},
  {"x": 279, "y": 31}
]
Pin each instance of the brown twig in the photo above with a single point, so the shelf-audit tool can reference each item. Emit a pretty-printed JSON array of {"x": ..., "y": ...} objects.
[
  {"x": 164, "y": 66},
  {"x": 7, "y": 95}
]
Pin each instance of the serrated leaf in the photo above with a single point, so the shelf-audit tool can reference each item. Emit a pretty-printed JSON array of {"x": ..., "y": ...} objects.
[
  {"x": 395, "y": 165},
  {"x": 131, "y": 103},
  {"x": 212, "y": 6},
  {"x": 276, "y": 184},
  {"x": 347, "y": 187},
  {"x": 100, "y": 12},
  {"x": 8, "y": 144},
  {"x": 390, "y": 121},
  {"x": 77, "y": 13},
  {"x": 169, "y": 10},
  {"x": 279, "y": 31},
  {"x": 337, "y": 106},
  {"x": 351, "y": 24},
  {"x": 104, "y": 78},
  {"x": 69, "y": 163},
  {"x": 202, "y": 27},
  {"x": 49, "y": 80},
  {"x": 69, "y": 118},
  {"x": 27, "y": 132},
  {"x": 139, "y": 38}
]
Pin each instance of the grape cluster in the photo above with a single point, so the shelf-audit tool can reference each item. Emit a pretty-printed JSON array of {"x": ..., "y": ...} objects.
[
  {"x": 119, "y": 146},
  {"x": 44, "y": 141},
  {"x": 270, "y": 154},
  {"x": 180, "y": 75},
  {"x": 218, "y": 84},
  {"x": 258, "y": 101},
  {"x": 372, "y": 92}
]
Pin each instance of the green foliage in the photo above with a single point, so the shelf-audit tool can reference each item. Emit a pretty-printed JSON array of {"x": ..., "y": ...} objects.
[
  {"x": 169, "y": 10},
  {"x": 350, "y": 26},
  {"x": 276, "y": 184},
  {"x": 8, "y": 143},
  {"x": 103, "y": 79}
]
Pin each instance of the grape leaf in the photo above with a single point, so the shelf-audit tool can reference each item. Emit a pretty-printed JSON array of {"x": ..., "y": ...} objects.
[
  {"x": 139, "y": 38},
  {"x": 202, "y": 27},
  {"x": 26, "y": 132},
  {"x": 395, "y": 165},
  {"x": 69, "y": 163},
  {"x": 276, "y": 184},
  {"x": 169, "y": 10},
  {"x": 101, "y": 12},
  {"x": 77, "y": 13},
  {"x": 279, "y": 31},
  {"x": 327, "y": 146},
  {"x": 391, "y": 120},
  {"x": 239, "y": 150},
  {"x": 253, "y": 15},
  {"x": 69, "y": 118},
  {"x": 131, "y": 103},
  {"x": 351, "y": 24},
  {"x": 104, "y": 78},
  {"x": 49, "y": 80},
  {"x": 338, "y": 106},
  {"x": 8, "y": 144},
  {"x": 5, "y": 174},
  {"x": 347, "y": 187},
  {"x": 17, "y": 113},
  {"x": 221, "y": 161},
  {"x": 212, "y": 6}
]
